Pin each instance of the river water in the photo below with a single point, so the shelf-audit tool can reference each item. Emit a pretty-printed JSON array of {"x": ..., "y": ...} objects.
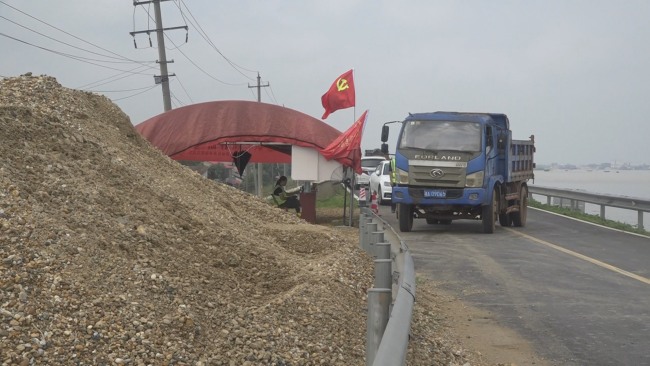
[{"x": 632, "y": 183}]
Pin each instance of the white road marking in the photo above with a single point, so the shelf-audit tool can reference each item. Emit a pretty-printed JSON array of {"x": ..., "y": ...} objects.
[{"x": 583, "y": 257}]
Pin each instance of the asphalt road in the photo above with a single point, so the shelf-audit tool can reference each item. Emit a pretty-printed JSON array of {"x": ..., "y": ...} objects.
[{"x": 579, "y": 293}]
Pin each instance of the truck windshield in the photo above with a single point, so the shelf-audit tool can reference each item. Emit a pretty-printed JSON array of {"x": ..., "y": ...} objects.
[{"x": 441, "y": 135}]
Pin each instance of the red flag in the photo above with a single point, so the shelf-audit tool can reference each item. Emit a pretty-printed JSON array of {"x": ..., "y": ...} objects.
[
  {"x": 340, "y": 95},
  {"x": 346, "y": 148}
]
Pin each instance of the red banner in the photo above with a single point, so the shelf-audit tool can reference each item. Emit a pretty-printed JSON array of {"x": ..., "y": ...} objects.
[{"x": 346, "y": 148}]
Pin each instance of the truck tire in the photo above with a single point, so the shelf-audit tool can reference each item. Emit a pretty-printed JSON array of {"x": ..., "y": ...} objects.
[
  {"x": 405, "y": 217},
  {"x": 379, "y": 196},
  {"x": 489, "y": 214},
  {"x": 519, "y": 217}
]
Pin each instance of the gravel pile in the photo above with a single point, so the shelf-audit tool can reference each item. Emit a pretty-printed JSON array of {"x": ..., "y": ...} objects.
[{"x": 112, "y": 253}]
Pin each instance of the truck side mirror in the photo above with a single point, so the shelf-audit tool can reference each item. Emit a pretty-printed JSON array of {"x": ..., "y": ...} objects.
[
  {"x": 501, "y": 142},
  {"x": 384, "y": 148},
  {"x": 384, "y": 133}
]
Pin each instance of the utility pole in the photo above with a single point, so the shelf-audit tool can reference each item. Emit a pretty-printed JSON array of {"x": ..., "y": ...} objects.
[
  {"x": 160, "y": 34},
  {"x": 259, "y": 87}
]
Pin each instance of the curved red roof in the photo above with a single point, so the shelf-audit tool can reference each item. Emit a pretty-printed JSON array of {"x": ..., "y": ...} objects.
[{"x": 198, "y": 131}]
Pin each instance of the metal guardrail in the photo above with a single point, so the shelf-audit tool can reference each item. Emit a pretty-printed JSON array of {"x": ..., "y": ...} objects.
[
  {"x": 387, "y": 330},
  {"x": 394, "y": 343},
  {"x": 574, "y": 196}
]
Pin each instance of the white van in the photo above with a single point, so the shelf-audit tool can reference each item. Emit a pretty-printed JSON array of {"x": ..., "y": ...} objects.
[{"x": 368, "y": 165}]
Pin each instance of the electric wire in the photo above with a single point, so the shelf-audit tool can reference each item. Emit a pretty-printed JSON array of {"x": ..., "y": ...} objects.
[
  {"x": 73, "y": 46},
  {"x": 185, "y": 90},
  {"x": 196, "y": 65},
  {"x": 205, "y": 36},
  {"x": 72, "y": 35},
  {"x": 133, "y": 95},
  {"x": 116, "y": 91},
  {"x": 107, "y": 79},
  {"x": 177, "y": 100},
  {"x": 199, "y": 67},
  {"x": 270, "y": 95},
  {"x": 78, "y": 58},
  {"x": 252, "y": 93}
]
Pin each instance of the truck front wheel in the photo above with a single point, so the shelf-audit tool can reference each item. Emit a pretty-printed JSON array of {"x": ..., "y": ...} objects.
[
  {"x": 489, "y": 214},
  {"x": 405, "y": 217},
  {"x": 519, "y": 217}
]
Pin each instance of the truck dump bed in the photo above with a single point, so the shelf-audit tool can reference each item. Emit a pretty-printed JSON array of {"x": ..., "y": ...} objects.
[{"x": 521, "y": 160}]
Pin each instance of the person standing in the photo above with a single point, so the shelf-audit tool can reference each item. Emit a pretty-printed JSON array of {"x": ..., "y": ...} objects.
[
  {"x": 393, "y": 182},
  {"x": 286, "y": 198}
]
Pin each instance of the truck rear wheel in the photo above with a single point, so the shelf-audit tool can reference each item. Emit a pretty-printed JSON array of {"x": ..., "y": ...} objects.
[
  {"x": 519, "y": 217},
  {"x": 489, "y": 214},
  {"x": 405, "y": 217}
]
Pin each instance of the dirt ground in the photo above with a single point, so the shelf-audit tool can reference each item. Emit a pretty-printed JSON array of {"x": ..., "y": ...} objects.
[{"x": 112, "y": 253}]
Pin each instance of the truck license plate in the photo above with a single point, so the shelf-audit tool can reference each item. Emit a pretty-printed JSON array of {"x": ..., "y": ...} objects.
[{"x": 435, "y": 194}]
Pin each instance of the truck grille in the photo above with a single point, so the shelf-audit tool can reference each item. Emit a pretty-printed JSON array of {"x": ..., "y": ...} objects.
[{"x": 451, "y": 177}]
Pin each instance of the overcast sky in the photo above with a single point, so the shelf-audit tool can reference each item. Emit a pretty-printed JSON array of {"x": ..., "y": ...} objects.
[{"x": 573, "y": 73}]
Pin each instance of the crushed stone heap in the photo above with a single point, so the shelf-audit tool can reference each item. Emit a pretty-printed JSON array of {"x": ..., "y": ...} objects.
[{"x": 111, "y": 253}]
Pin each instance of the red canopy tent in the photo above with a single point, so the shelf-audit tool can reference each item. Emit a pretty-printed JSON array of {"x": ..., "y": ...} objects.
[{"x": 213, "y": 131}]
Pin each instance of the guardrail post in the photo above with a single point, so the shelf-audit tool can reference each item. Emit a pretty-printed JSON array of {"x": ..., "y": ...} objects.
[
  {"x": 364, "y": 234},
  {"x": 375, "y": 237},
  {"x": 379, "y": 300},
  {"x": 548, "y": 200},
  {"x": 382, "y": 250},
  {"x": 370, "y": 228},
  {"x": 383, "y": 273},
  {"x": 363, "y": 220},
  {"x": 640, "y": 220},
  {"x": 602, "y": 212}
]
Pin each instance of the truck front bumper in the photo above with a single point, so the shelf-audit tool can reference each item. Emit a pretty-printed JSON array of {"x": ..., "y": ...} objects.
[{"x": 453, "y": 196}]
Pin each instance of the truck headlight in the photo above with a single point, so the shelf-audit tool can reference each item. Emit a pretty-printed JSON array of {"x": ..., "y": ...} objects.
[
  {"x": 474, "y": 180},
  {"x": 386, "y": 184},
  {"x": 402, "y": 176}
]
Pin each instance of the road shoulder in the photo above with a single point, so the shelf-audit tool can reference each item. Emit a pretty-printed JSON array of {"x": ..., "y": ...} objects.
[{"x": 466, "y": 334}]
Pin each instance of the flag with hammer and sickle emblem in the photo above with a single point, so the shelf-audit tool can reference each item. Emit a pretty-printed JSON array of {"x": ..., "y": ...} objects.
[{"x": 340, "y": 95}]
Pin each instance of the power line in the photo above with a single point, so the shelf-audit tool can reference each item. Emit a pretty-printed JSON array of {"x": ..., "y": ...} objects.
[
  {"x": 133, "y": 95},
  {"x": 185, "y": 90},
  {"x": 73, "y": 46},
  {"x": 70, "y": 34},
  {"x": 207, "y": 39},
  {"x": 197, "y": 66},
  {"x": 99, "y": 82},
  {"x": 177, "y": 100},
  {"x": 117, "y": 91},
  {"x": 78, "y": 58},
  {"x": 272, "y": 95}
]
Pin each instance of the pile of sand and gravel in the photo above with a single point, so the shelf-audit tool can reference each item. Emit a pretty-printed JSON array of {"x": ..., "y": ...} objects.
[{"x": 112, "y": 253}]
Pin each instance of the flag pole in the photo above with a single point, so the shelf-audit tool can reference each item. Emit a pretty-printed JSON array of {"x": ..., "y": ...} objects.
[{"x": 352, "y": 182}]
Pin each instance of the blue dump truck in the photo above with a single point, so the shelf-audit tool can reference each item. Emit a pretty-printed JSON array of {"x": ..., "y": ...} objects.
[{"x": 453, "y": 166}]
